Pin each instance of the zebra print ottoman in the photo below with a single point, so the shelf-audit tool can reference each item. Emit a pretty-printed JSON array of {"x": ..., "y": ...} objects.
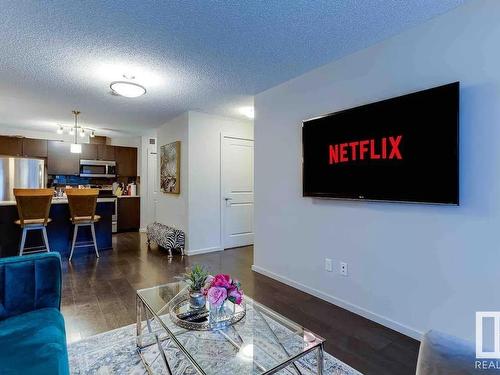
[{"x": 166, "y": 237}]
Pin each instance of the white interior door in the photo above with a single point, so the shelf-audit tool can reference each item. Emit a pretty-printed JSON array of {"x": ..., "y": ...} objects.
[{"x": 237, "y": 192}]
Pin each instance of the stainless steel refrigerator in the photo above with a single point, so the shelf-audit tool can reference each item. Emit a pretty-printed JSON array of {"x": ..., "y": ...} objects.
[{"x": 20, "y": 173}]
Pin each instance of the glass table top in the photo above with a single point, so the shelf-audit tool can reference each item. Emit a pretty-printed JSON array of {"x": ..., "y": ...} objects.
[{"x": 262, "y": 341}]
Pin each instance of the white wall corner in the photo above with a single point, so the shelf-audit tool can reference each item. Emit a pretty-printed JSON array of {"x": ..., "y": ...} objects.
[{"x": 204, "y": 251}]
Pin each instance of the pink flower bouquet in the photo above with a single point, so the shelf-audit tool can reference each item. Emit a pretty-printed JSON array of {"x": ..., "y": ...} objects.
[{"x": 220, "y": 288}]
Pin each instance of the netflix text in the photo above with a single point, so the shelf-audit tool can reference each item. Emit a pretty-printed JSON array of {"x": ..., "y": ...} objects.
[{"x": 369, "y": 149}]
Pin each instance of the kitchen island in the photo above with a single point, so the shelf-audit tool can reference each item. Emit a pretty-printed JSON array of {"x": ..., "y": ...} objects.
[{"x": 59, "y": 230}]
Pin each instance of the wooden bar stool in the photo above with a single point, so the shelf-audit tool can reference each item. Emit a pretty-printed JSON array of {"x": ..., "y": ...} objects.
[
  {"x": 82, "y": 204},
  {"x": 33, "y": 207}
]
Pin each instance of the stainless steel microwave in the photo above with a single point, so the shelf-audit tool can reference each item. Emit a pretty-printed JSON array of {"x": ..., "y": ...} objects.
[{"x": 97, "y": 168}]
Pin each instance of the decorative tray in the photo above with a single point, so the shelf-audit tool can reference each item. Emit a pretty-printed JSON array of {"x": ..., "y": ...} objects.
[{"x": 202, "y": 319}]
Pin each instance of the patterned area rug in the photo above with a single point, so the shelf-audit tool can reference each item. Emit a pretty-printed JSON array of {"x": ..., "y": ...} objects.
[{"x": 114, "y": 353}]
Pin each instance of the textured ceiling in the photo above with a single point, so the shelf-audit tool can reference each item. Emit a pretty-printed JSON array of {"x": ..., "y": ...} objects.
[{"x": 203, "y": 55}]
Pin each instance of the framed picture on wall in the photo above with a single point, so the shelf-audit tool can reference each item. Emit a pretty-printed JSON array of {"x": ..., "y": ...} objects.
[{"x": 170, "y": 155}]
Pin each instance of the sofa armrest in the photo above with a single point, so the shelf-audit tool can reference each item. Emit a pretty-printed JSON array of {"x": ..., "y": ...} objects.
[
  {"x": 442, "y": 354},
  {"x": 29, "y": 283}
]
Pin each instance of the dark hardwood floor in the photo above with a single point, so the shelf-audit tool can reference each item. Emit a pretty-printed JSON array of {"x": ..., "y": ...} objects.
[{"x": 99, "y": 295}]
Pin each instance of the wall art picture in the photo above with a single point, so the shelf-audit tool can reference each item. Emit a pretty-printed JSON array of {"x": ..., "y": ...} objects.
[{"x": 170, "y": 168}]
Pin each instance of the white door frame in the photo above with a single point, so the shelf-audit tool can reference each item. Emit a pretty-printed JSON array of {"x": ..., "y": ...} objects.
[
  {"x": 151, "y": 182},
  {"x": 221, "y": 184}
]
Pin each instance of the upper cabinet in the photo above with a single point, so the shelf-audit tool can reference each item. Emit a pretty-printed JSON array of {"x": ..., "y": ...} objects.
[
  {"x": 105, "y": 152},
  {"x": 89, "y": 152},
  {"x": 92, "y": 151},
  {"x": 28, "y": 147},
  {"x": 11, "y": 146},
  {"x": 34, "y": 148},
  {"x": 60, "y": 160},
  {"x": 126, "y": 161}
]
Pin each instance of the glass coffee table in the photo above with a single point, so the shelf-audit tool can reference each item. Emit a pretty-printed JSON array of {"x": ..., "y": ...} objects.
[{"x": 262, "y": 342}]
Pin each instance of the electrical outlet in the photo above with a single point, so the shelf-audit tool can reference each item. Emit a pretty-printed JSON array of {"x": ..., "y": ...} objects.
[
  {"x": 328, "y": 265},
  {"x": 343, "y": 269}
]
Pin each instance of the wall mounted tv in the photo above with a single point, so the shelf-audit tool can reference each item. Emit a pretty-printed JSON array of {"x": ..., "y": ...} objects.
[{"x": 400, "y": 149}]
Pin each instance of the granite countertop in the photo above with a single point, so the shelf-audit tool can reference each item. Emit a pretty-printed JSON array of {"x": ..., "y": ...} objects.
[{"x": 58, "y": 201}]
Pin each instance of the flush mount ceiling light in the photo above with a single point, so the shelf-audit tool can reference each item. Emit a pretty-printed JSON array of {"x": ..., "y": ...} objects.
[{"x": 126, "y": 88}]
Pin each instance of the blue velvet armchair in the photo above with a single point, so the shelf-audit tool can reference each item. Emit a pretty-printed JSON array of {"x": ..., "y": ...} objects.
[{"x": 32, "y": 334}]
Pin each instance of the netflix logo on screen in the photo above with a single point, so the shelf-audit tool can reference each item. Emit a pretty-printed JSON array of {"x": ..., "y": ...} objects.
[
  {"x": 403, "y": 149},
  {"x": 373, "y": 149}
]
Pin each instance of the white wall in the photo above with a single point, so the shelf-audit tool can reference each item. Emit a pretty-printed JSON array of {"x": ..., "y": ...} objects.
[
  {"x": 172, "y": 209},
  {"x": 196, "y": 210},
  {"x": 127, "y": 142},
  {"x": 204, "y": 176},
  {"x": 411, "y": 267}
]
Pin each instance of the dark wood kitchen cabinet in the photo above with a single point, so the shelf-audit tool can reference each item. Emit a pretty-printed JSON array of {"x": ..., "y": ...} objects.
[
  {"x": 129, "y": 217},
  {"x": 11, "y": 146},
  {"x": 60, "y": 161},
  {"x": 126, "y": 161},
  {"x": 89, "y": 152},
  {"x": 35, "y": 148},
  {"x": 105, "y": 152}
]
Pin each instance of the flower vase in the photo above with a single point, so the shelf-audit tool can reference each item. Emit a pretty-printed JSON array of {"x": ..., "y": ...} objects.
[
  {"x": 219, "y": 315},
  {"x": 197, "y": 300}
]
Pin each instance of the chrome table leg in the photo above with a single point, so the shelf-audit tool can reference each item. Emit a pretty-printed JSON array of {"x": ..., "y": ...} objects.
[
  {"x": 163, "y": 355},
  {"x": 139, "y": 311},
  {"x": 320, "y": 359}
]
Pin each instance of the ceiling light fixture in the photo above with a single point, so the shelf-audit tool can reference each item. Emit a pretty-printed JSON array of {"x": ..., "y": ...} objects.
[
  {"x": 72, "y": 130},
  {"x": 126, "y": 88},
  {"x": 248, "y": 112},
  {"x": 76, "y": 148}
]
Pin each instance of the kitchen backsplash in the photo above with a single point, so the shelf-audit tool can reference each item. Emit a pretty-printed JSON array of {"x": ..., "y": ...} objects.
[
  {"x": 62, "y": 180},
  {"x": 68, "y": 180}
]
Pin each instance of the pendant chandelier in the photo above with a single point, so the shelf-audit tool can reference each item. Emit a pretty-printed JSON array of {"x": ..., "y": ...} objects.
[
  {"x": 75, "y": 129},
  {"x": 76, "y": 148}
]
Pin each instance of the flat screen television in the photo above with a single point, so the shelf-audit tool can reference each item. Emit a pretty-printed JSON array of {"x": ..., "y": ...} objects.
[{"x": 400, "y": 149}]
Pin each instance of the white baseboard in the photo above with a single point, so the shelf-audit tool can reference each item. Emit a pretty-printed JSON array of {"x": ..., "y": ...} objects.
[
  {"x": 203, "y": 251},
  {"x": 408, "y": 331}
]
